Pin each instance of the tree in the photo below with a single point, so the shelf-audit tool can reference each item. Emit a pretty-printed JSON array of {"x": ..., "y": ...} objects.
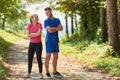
[
  {"x": 11, "y": 10},
  {"x": 103, "y": 21},
  {"x": 84, "y": 21},
  {"x": 65, "y": 7},
  {"x": 119, "y": 15},
  {"x": 62, "y": 8},
  {"x": 5, "y": 10},
  {"x": 76, "y": 25},
  {"x": 88, "y": 10},
  {"x": 66, "y": 21},
  {"x": 34, "y": 1},
  {"x": 3, "y": 22},
  {"x": 113, "y": 30},
  {"x": 72, "y": 24},
  {"x": 119, "y": 21}
]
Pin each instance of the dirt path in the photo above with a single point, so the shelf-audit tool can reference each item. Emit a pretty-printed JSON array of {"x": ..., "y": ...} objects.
[{"x": 17, "y": 64}]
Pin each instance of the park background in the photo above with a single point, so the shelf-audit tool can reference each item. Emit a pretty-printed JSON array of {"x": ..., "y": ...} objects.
[{"x": 91, "y": 29}]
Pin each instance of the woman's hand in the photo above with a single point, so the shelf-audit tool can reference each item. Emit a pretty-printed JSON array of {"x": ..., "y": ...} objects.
[{"x": 32, "y": 35}]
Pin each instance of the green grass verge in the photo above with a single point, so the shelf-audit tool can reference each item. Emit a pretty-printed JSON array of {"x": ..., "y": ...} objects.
[
  {"x": 6, "y": 40},
  {"x": 94, "y": 54}
]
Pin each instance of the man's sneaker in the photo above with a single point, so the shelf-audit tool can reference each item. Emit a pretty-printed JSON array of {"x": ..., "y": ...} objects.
[
  {"x": 57, "y": 75},
  {"x": 48, "y": 75},
  {"x": 40, "y": 76},
  {"x": 27, "y": 75}
]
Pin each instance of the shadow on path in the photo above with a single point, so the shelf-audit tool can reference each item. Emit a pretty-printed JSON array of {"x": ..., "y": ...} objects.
[{"x": 17, "y": 66}]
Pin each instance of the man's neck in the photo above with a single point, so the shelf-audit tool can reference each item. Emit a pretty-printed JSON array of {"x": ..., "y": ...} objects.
[{"x": 51, "y": 17}]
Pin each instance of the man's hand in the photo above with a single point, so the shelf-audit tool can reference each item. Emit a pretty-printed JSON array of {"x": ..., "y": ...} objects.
[
  {"x": 59, "y": 28},
  {"x": 51, "y": 29},
  {"x": 54, "y": 29}
]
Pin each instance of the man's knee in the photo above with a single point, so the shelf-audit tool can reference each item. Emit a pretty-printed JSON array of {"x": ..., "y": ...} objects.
[
  {"x": 48, "y": 56},
  {"x": 55, "y": 56}
]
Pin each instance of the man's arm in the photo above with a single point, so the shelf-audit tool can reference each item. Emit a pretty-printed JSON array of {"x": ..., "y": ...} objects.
[
  {"x": 59, "y": 28},
  {"x": 51, "y": 30}
]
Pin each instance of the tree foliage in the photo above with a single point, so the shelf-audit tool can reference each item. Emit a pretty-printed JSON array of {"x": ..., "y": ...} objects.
[
  {"x": 91, "y": 26},
  {"x": 11, "y": 10},
  {"x": 88, "y": 10}
]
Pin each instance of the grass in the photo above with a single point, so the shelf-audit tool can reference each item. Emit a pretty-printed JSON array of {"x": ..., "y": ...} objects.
[
  {"x": 97, "y": 55},
  {"x": 6, "y": 40}
]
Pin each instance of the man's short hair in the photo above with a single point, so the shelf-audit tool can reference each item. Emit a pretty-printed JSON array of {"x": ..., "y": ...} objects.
[{"x": 48, "y": 8}]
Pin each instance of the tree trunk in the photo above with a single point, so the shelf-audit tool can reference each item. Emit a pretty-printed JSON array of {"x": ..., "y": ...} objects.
[
  {"x": 72, "y": 26},
  {"x": 102, "y": 23},
  {"x": 113, "y": 30},
  {"x": 119, "y": 21},
  {"x": 66, "y": 21},
  {"x": 3, "y": 23},
  {"x": 76, "y": 23},
  {"x": 85, "y": 24}
]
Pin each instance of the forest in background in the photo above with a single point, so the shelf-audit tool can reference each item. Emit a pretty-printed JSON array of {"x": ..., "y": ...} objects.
[
  {"x": 98, "y": 22},
  {"x": 97, "y": 28}
]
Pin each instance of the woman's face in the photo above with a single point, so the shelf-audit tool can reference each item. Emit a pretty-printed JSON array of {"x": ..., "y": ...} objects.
[{"x": 35, "y": 18}]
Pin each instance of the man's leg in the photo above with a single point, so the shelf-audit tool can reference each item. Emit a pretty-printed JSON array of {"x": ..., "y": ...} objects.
[
  {"x": 55, "y": 59},
  {"x": 48, "y": 56}
]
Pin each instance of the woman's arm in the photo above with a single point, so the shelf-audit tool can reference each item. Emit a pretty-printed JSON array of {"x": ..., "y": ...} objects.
[
  {"x": 28, "y": 34},
  {"x": 36, "y": 34}
]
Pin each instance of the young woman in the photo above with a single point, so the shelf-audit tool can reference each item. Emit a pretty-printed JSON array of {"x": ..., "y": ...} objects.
[{"x": 34, "y": 30}]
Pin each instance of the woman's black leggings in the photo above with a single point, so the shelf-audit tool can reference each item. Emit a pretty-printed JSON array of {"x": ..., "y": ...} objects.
[{"x": 35, "y": 47}]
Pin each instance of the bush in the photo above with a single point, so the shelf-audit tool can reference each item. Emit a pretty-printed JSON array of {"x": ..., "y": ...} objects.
[
  {"x": 2, "y": 71},
  {"x": 108, "y": 51}
]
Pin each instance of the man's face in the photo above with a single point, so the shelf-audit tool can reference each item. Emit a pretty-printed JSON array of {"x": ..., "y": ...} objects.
[{"x": 48, "y": 13}]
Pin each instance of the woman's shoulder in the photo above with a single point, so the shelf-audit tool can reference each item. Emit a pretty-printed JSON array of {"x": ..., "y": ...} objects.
[
  {"x": 29, "y": 25},
  {"x": 39, "y": 25}
]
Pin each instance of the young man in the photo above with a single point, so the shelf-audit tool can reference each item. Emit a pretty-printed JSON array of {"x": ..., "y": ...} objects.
[{"x": 52, "y": 25}]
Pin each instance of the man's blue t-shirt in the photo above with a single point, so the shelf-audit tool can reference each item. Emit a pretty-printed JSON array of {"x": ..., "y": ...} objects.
[{"x": 52, "y": 37}]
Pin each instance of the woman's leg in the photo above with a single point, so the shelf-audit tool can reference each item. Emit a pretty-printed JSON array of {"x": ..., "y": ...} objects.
[
  {"x": 31, "y": 51},
  {"x": 39, "y": 56}
]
